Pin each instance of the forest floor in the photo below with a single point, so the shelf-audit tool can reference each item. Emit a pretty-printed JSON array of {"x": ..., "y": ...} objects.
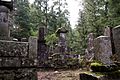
[{"x": 59, "y": 75}]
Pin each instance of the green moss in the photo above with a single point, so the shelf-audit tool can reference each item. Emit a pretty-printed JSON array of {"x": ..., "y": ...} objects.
[
  {"x": 97, "y": 74},
  {"x": 96, "y": 64}
]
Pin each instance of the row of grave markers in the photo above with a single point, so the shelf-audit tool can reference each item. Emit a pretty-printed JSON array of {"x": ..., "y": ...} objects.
[{"x": 104, "y": 48}]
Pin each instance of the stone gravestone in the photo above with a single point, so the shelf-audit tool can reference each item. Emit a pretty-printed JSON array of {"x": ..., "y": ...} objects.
[
  {"x": 89, "y": 52},
  {"x": 33, "y": 50},
  {"x": 116, "y": 39},
  {"x": 108, "y": 32},
  {"x": 42, "y": 48},
  {"x": 61, "y": 32},
  {"x": 103, "y": 50},
  {"x": 5, "y": 8},
  {"x": 4, "y": 29}
]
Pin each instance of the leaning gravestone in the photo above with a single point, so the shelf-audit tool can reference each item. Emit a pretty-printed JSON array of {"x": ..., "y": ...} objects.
[
  {"x": 90, "y": 47},
  {"x": 89, "y": 52},
  {"x": 103, "y": 50}
]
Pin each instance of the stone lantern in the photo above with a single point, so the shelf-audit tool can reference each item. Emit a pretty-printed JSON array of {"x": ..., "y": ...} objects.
[
  {"x": 61, "y": 33},
  {"x": 5, "y": 7}
]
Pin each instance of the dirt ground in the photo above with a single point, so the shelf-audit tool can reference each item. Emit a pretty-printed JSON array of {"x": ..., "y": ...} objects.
[{"x": 59, "y": 75}]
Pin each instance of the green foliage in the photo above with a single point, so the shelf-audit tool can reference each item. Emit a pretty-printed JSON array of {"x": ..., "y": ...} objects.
[
  {"x": 97, "y": 14},
  {"x": 29, "y": 17},
  {"x": 22, "y": 19},
  {"x": 99, "y": 67},
  {"x": 50, "y": 39}
]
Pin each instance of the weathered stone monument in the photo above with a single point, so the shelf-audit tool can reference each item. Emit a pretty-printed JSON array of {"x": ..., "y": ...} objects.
[
  {"x": 116, "y": 39},
  {"x": 17, "y": 59},
  {"x": 103, "y": 47},
  {"x": 103, "y": 50},
  {"x": 90, "y": 48},
  {"x": 89, "y": 52},
  {"x": 5, "y": 8},
  {"x": 42, "y": 48},
  {"x": 61, "y": 32},
  {"x": 33, "y": 50}
]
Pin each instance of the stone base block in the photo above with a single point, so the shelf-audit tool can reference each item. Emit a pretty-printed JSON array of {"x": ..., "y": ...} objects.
[
  {"x": 19, "y": 74},
  {"x": 99, "y": 76}
]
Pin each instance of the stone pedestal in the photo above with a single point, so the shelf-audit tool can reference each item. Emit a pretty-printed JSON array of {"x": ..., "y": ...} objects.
[
  {"x": 18, "y": 74},
  {"x": 103, "y": 50}
]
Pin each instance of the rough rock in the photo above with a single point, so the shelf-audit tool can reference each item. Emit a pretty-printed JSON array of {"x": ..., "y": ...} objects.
[
  {"x": 116, "y": 39},
  {"x": 103, "y": 50}
]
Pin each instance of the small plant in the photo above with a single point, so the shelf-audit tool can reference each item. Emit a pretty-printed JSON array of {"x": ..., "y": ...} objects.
[
  {"x": 99, "y": 67},
  {"x": 96, "y": 66},
  {"x": 50, "y": 39}
]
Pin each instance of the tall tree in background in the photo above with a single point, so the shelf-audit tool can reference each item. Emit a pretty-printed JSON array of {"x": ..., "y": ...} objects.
[
  {"x": 51, "y": 15},
  {"x": 97, "y": 14},
  {"x": 42, "y": 8},
  {"x": 58, "y": 15},
  {"x": 82, "y": 31},
  {"x": 93, "y": 19},
  {"x": 114, "y": 12},
  {"x": 22, "y": 19}
]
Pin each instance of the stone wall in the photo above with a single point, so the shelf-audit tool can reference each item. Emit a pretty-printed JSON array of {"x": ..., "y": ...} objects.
[
  {"x": 22, "y": 53},
  {"x": 18, "y": 74},
  {"x": 15, "y": 60},
  {"x": 13, "y": 49},
  {"x": 13, "y": 54}
]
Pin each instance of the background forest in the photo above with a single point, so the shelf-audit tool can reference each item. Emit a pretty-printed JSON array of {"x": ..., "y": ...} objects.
[{"x": 95, "y": 16}]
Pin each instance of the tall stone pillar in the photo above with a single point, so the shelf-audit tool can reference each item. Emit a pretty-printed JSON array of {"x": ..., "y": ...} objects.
[
  {"x": 116, "y": 39},
  {"x": 5, "y": 8},
  {"x": 33, "y": 50},
  {"x": 42, "y": 48},
  {"x": 89, "y": 52},
  {"x": 61, "y": 32},
  {"x": 4, "y": 29}
]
